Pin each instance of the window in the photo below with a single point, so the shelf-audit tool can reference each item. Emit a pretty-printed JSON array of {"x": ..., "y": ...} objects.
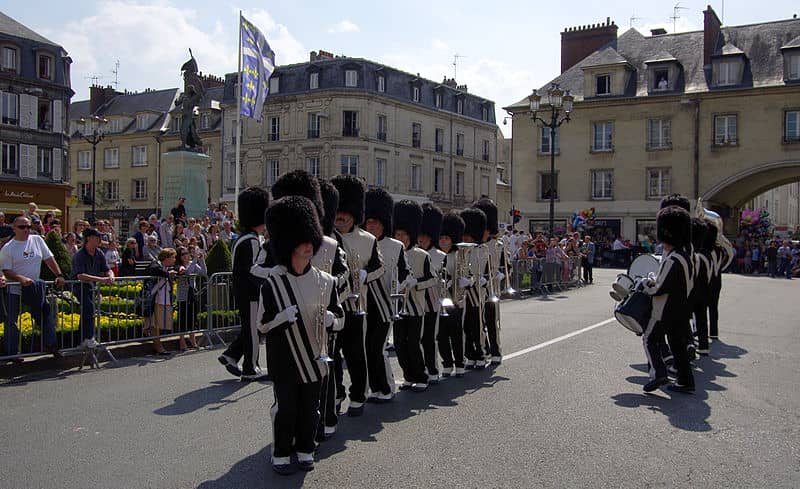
[
  {"x": 111, "y": 190},
  {"x": 84, "y": 190},
  {"x": 381, "y": 83},
  {"x": 142, "y": 121},
  {"x": 658, "y": 182},
  {"x": 115, "y": 125},
  {"x": 439, "y": 140},
  {"x": 416, "y": 135},
  {"x": 229, "y": 174},
  {"x": 139, "y": 156},
  {"x": 349, "y": 165},
  {"x": 273, "y": 171},
  {"x": 350, "y": 127},
  {"x": 725, "y": 129},
  {"x": 416, "y": 178},
  {"x": 602, "y": 136},
  {"x": 9, "y": 61},
  {"x": 84, "y": 160},
  {"x": 10, "y": 108},
  {"x": 460, "y": 144},
  {"x": 350, "y": 78},
  {"x": 312, "y": 165},
  {"x": 546, "y": 186},
  {"x": 484, "y": 184},
  {"x": 382, "y": 127},
  {"x": 459, "y": 183},
  {"x": 274, "y": 84},
  {"x": 661, "y": 79},
  {"x": 793, "y": 66},
  {"x": 460, "y": 106},
  {"x": 659, "y": 134},
  {"x": 274, "y": 128},
  {"x": 205, "y": 121},
  {"x": 602, "y": 184},
  {"x": 727, "y": 73},
  {"x": 9, "y": 154},
  {"x": 313, "y": 81},
  {"x": 44, "y": 162},
  {"x": 380, "y": 172},
  {"x": 545, "y": 147},
  {"x": 111, "y": 159},
  {"x": 313, "y": 125},
  {"x": 415, "y": 94},
  {"x": 43, "y": 120},
  {"x": 438, "y": 180},
  {"x": 603, "y": 83},
  {"x": 484, "y": 114},
  {"x": 485, "y": 155},
  {"x": 438, "y": 100},
  {"x": 176, "y": 125},
  {"x": 792, "y": 132},
  {"x": 139, "y": 190},
  {"x": 45, "y": 67}
]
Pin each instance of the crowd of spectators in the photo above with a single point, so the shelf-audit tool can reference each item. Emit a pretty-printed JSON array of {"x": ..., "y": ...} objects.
[{"x": 772, "y": 256}]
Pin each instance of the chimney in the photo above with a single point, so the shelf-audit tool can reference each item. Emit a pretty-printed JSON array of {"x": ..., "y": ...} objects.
[
  {"x": 659, "y": 31},
  {"x": 98, "y": 96},
  {"x": 579, "y": 42},
  {"x": 711, "y": 32}
]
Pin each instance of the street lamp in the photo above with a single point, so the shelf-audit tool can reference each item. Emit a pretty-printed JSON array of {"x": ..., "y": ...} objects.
[
  {"x": 555, "y": 101},
  {"x": 93, "y": 134}
]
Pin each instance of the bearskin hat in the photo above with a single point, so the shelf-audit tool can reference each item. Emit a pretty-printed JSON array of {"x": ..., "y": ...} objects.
[
  {"x": 678, "y": 200},
  {"x": 253, "y": 202},
  {"x": 379, "y": 204},
  {"x": 699, "y": 227},
  {"x": 299, "y": 182},
  {"x": 292, "y": 221},
  {"x": 351, "y": 196},
  {"x": 330, "y": 200},
  {"x": 474, "y": 223},
  {"x": 453, "y": 227},
  {"x": 489, "y": 208},
  {"x": 674, "y": 226},
  {"x": 431, "y": 222},
  {"x": 408, "y": 217}
]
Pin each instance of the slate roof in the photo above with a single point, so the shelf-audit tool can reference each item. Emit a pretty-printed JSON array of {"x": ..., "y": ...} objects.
[
  {"x": 794, "y": 43},
  {"x": 134, "y": 103},
  {"x": 12, "y": 27}
]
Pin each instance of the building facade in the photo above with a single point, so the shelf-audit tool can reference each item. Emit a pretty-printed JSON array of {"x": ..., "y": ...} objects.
[
  {"x": 418, "y": 139},
  {"x": 712, "y": 114},
  {"x": 34, "y": 104},
  {"x": 783, "y": 205}
]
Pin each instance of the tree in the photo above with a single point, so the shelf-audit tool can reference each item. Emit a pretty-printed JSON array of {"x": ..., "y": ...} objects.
[
  {"x": 219, "y": 258},
  {"x": 53, "y": 241}
]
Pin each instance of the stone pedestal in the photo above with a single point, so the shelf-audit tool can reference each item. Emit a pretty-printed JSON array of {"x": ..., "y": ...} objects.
[{"x": 185, "y": 173}]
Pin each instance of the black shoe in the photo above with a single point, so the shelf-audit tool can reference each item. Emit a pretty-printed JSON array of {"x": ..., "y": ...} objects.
[
  {"x": 655, "y": 384},
  {"x": 285, "y": 469},
  {"x": 355, "y": 412},
  {"x": 672, "y": 372},
  {"x": 685, "y": 389},
  {"x": 306, "y": 466},
  {"x": 230, "y": 366}
]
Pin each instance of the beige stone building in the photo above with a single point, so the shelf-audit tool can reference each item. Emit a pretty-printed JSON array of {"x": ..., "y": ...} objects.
[
  {"x": 712, "y": 114},
  {"x": 418, "y": 139},
  {"x": 783, "y": 205}
]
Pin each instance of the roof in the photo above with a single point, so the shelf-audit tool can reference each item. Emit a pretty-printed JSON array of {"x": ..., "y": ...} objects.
[
  {"x": 79, "y": 109},
  {"x": 794, "y": 43},
  {"x": 133, "y": 103},
  {"x": 729, "y": 49},
  {"x": 14, "y": 28},
  {"x": 603, "y": 57}
]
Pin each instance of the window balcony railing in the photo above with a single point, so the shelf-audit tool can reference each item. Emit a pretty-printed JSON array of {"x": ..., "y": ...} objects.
[
  {"x": 313, "y": 133},
  {"x": 350, "y": 132}
]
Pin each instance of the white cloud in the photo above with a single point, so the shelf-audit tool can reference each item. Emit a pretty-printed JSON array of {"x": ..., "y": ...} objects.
[
  {"x": 343, "y": 26},
  {"x": 440, "y": 45}
]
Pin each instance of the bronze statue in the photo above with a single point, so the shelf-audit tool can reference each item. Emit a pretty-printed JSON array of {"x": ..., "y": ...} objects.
[{"x": 193, "y": 92}]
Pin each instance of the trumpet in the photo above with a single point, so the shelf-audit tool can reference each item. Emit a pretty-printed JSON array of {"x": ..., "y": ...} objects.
[
  {"x": 395, "y": 295},
  {"x": 445, "y": 301},
  {"x": 509, "y": 290},
  {"x": 357, "y": 294},
  {"x": 461, "y": 268},
  {"x": 322, "y": 332},
  {"x": 492, "y": 292}
]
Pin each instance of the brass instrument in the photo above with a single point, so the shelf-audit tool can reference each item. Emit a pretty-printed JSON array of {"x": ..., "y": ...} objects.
[
  {"x": 319, "y": 323},
  {"x": 509, "y": 290},
  {"x": 444, "y": 301},
  {"x": 395, "y": 295},
  {"x": 715, "y": 220},
  {"x": 461, "y": 268},
  {"x": 492, "y": 292},
  {"x": 357, "y": 294}
]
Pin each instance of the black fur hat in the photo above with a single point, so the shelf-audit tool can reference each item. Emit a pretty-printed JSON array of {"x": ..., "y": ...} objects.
[
  {"x": 299, "y": 182},
  {"x": 330, "y": 200},
  {"x": 674, "y": 226},
  {"x": 292, "y": 221},
  {"x": 699, "y": 227},
  {"x": 453, "y": 226},
  {"x": 408, "y": 217},
  {"x": 474, "y": 223},
  {"x": 431, "y": 222},
  {"x": 351, "y": 196},
  {"x": 253, "y": 202},
  {"x": 489, "y": 208},
  {"x": 379, "y": 204},
  {"x": 678, "y": 200}
]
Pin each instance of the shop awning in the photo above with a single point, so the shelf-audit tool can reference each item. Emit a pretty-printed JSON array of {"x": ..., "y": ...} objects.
[{"x": 16, "y": 208}]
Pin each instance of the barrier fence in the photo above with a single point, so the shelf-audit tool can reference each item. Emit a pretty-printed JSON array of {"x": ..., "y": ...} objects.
[{"x": 535, "y": 275}]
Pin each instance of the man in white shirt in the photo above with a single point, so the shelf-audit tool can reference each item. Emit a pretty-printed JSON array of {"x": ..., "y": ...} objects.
[{"x": 618, "y": 244}]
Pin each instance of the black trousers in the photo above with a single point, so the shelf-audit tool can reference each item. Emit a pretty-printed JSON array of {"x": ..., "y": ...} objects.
[
  {"x": 246, "y": 343},
  {"x": 327, "y": 395},
  {"x": 654, "y": 344},
  {"x": 678, "y": 338},
  {"x": 295, "y": 416},
  {"x": 350, "y": 342},
  {"x": 379, "y": 371},
  {"x": 713, "y": 309},
  {"x": 451, "y": 338},
  {"x": 429, "y": 334},
  {"x": 407, "y": 335},
  {"x": 491, "y": 314},
  {"x": 701, "y": 324},
  {"x": 587, "y": 271},
  {"x": 473, "y": 345}
]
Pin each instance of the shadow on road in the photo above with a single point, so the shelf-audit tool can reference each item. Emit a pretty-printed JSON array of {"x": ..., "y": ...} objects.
[{"x": 214, "y": 396}]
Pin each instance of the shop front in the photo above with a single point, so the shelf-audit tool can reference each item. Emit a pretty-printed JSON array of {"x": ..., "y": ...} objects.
[
  {"x": 15, "y": 197},
  {"x": 123, "y": 220},
  {"x": 542, "y": 226}
]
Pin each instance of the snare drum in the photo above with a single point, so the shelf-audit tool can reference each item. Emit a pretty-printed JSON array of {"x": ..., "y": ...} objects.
[
  {"x": 623, "y": 285},
  {"x": 634, "y": 312},
  {"x": 643, "y": 265}
]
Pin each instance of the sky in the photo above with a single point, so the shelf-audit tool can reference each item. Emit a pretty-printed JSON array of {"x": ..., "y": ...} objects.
[{"x": 506, "y": 48}]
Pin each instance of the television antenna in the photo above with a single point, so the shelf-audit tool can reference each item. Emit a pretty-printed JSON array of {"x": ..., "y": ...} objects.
[
  {"x": 455, "y": 65},
  {"x": 632, "y": 20},
  {"x": 95, "y": 78},
  {"x": 115, "y": 71},
  {"x": 676, "y": 15}
]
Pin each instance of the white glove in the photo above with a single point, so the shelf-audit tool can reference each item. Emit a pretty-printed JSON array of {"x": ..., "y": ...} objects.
[
  {"x": 362, "y": 276},
  {"x": 464, "y": 282},
  {"x": 483, "y": 281},
  {"x": 333, "y": 323},
  {"x": 500, "y": 276},
  {"x": 409, "y": 283},
  {"x": 288, "y": 315}
]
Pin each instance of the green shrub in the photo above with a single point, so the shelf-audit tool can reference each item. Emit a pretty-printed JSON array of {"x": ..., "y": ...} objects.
[
  {"x": 219, "y": 258},
  {"x": 53, "y": 241}
]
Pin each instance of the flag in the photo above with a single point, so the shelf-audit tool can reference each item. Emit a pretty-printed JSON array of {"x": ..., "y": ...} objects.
[{"x": 257, "y": 65}]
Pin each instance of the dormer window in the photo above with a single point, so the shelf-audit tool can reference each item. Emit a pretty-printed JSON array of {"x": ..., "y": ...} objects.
[
  {"x": 438, "y": 100},
  {"x": 141, "y": 122},
  {"x": 484, "y": 113},
  {"x": 415, "y": 93},
  {"x": 661, "y": 79},
  {"x": 9, "y": 59},
  {"x": 603, "y": 84},
  {"x": 459, "y": 105},
  {"x": 45, "y": 67},
  {"x": 274, "y": 84},
  {"x": 793, "y": 66},
  {"x": 727, "y": 73},
  {"x": 728, "y": 66},
  {"x": 350, "y": 78},
  {"x": 381, "y": 83},
  {"x": 313, "y": 81}
]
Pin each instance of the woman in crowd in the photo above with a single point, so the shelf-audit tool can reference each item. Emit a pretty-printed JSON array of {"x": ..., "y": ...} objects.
[
  {"x": 71, "y": 244},
  {"x": 127, "y": 267},
  {"x": 161, "y": 322},
  {"x": 112, "y": 257},
  {"x": 191, "y": 269},
  {"x": 213, "y": 234},
  {"x": 200, "y": 235},
  {"x": 179, "y": 235},
  {"x": 47, "y": 222}
]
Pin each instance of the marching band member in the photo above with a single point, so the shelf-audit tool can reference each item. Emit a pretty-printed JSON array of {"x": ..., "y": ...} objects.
[
  {"x": 253, "y": 203},
  {"x": 451, "y": 331},
  {"x": 366, "y": 266},
  {"x": 498, "y": 260},
  {"x": 428, "y": 240},
  {"x": 408, "y": 331},
  {"x": 671, "y": 307},
  {"x": 702, "y": 279},
  {"x": 718, "y": 257},
  {"x": 474, "y": 344},
  {"x": 300, "y": 304},
  {"x": 378, "y": 209}
]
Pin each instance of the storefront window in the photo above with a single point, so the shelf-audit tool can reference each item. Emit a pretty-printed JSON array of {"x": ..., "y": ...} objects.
[{"x": 646, "y": 234}]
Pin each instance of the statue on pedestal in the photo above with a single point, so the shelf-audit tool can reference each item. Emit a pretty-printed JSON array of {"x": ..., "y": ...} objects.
[{"x": 193, "y": 92}]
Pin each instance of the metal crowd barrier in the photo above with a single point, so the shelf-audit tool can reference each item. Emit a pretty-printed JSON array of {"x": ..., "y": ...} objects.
[{"x": 535, "y": 275}]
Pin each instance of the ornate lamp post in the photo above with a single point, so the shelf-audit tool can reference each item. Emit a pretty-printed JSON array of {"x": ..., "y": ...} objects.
[
  {"x": 556, "y": 102},
  {"x": 93, "y": 134}
]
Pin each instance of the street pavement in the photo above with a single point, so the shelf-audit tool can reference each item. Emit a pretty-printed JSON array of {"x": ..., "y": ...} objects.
[{"x": 567, "y": 414}]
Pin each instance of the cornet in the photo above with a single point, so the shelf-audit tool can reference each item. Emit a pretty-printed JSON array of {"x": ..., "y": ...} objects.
[
  {"x": 445, "y": 301},
  {"x": 322, "y": 332},
  {"x": 461, "y": 268},
  {"x": 509, "y": 290},
  {"x": 357, "y": 294},
  {"x": 395, "y": 295},
  {"x": 492, "y": 293}
]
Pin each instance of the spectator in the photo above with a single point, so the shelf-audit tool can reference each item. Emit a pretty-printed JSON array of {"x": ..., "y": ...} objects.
[
  {"x": 21, "y": 261},
  {"x": 161, "y": 320},
  {"x": 129, "y": 255},
  {"x": 31, "y": 213},
  {"x": 166, "y": 231},
  {"x": 71, "y": 244},
  {"x": 3, "y": 219},
  {"x": 188, "y": 229},
  {"x": 56, "y": 227},
  {"x": 785, "y": 256},
  {"x": 587, "y": 259},
  {"x": 772, "y": 258},
  {"x": 6, "y": 233},
  {"x": 151, "y": 249},
  {"x": 213, "y": 234},
  {"x": 191, "y": 268},
  {"x": 179, "y": 235},
  {"x": 202, "y": 239},
  {"x": 226, "y": 233},
  {"x": 755, "y": 257},
  {"x": 112, "y": 257},
  {"x": 618, "y": 244},
  {"x": 141, "y": 238},
  {"x": 211, "y": 212},
  {"x": 36, "y": 227},
  {"x": 154, "y": 223},
  {"x": 47, "y": 222},
  {"x": 179, "y": 211},
  {"x": 89, "y": 266}
]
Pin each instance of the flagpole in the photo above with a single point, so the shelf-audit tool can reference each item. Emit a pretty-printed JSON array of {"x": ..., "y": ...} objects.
[{"x": 238, "y": 126}]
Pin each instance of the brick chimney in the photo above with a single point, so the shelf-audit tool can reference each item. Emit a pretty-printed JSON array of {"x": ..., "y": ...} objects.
[
  {"x": 100, "y": 95},
  {"x": 579, "y": 42},
  {"x": 210, "y": 80},
  {"x": 711, "y": 31}
]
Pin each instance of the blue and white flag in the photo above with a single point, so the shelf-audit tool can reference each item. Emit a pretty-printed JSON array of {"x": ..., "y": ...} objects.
[{"x": 257, "y": 65}]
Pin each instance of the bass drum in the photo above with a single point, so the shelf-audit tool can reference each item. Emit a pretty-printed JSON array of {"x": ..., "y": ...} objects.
[
  {"x": 634, "y": 312},
  {"x": 643, "y": 265}
]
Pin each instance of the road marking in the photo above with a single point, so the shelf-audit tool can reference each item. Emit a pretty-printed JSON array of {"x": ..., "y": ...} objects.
[{"x": 556, "y": 340}]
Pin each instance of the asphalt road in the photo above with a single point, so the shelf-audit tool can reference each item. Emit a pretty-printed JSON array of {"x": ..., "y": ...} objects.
[{"x": 569, "y": 414}]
